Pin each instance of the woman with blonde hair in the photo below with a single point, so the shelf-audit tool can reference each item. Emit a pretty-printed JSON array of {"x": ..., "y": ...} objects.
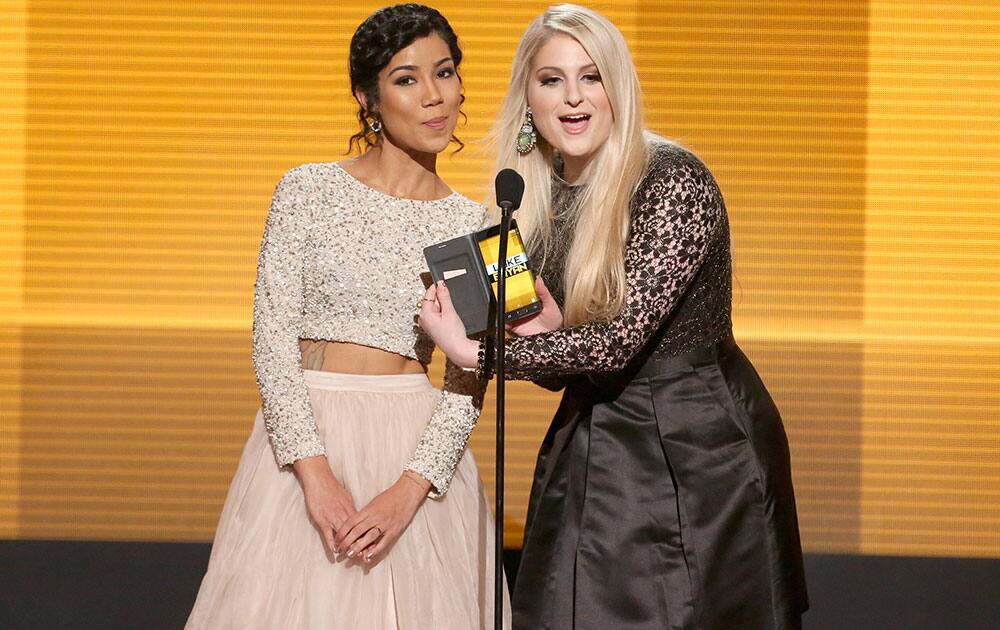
[{"x": 662, "y": 494}]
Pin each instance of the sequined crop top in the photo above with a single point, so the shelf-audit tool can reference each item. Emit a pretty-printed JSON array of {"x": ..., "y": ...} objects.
[
  {"x": 678, "y": 268},
  {"x": 341, "y": 261}
]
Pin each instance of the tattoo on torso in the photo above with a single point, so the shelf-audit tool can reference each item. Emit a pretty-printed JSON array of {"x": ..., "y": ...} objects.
[{"x": 313, "y": 356}]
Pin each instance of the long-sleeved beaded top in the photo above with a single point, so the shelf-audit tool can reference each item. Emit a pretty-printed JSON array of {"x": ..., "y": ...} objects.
[
  {"x": 341, "y": 261},
  {"x": 678, "y": 269}
]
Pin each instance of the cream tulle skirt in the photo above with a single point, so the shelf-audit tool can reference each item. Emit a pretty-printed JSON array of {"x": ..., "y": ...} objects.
[{"x": 268, "y": 567}]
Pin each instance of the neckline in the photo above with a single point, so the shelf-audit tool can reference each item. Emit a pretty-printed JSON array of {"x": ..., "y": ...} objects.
[
  {"x": 360, "y": 184},
  {"x": 562, "y": 187},
  {"x": 558, "y": 169}
]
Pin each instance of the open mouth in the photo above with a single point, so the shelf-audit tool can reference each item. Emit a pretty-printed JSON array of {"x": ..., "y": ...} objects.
[{"x": 575, "y": 123}]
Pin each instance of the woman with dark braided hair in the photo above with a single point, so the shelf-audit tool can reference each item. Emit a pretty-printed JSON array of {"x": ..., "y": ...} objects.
[{"x": 356, "y": 503}]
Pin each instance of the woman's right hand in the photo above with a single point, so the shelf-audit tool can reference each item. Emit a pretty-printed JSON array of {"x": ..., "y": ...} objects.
[
  {"x": 441, "y": 322},
  {"x": 328, "y": 502}
]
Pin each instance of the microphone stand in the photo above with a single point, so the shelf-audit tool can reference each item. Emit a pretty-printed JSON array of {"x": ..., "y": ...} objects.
[{"x": 501, "y": 328}]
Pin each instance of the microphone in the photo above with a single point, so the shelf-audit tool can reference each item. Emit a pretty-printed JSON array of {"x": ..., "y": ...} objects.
[{"x": 510, "y": 189}]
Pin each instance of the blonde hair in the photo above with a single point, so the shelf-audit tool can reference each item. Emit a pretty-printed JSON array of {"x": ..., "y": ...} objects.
[{"x": 594, "y": 273}]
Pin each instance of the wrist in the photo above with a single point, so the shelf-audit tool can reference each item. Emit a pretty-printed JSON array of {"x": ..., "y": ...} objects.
[
  {"x": 417, "y": 482},
  {"x": 472, "y": 353},
  {"x": 313, "y": 471},
  {"x": 463, "y": 352}
]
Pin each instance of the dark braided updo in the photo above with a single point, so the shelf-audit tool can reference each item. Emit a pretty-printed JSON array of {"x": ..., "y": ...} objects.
[{"x": 382, "y": 35}]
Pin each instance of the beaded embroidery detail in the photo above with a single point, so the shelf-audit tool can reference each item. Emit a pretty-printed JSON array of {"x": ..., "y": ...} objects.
[{"x": 341, "y": 261}]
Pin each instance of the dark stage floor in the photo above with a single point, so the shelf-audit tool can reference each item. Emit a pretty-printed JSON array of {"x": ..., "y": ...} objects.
[{"x": 56, "y": 584}]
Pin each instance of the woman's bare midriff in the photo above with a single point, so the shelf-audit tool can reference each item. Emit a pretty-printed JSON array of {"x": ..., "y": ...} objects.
[{"x": 350, "y": 358}]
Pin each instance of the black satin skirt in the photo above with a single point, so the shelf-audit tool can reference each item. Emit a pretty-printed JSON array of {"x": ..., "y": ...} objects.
[{"x": 664, "y": 502}]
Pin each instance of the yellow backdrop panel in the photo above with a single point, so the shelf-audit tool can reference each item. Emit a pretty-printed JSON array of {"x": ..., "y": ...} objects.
[
  {"x": 856, "y": 143},
  {"x": 13, "y": 86}
]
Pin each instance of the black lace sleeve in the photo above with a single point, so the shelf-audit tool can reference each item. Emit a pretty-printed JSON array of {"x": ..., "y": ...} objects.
[{"x": 676, "y": 213}]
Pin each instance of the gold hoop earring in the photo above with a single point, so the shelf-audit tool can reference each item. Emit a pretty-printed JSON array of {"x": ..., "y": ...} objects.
[{"x": 527, "y": 137}]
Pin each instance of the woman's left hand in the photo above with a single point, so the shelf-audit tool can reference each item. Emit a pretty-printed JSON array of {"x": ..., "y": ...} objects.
[
  {"x": 440, "y": 320},
  {"x": 375, "y": 527},
  {"x": 548, "y": 319}
]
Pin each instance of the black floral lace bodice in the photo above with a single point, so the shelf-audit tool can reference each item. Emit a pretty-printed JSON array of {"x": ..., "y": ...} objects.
[{"x": 679, "y": 277}]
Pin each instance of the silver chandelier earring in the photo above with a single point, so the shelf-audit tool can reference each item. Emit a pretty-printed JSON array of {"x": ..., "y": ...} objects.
[
  {"x": 376, "y": 124},
  {"x": 527, "y": 137}
]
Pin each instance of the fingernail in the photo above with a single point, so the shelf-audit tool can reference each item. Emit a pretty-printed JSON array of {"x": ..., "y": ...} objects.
[
  {"x": 350, "y": 554},
  {"x": 335, "y": 550},
  {"x": 440, "y": 283}
]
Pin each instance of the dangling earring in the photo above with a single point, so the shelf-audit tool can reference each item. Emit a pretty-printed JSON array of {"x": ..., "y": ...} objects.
[
  {"x": 375, "y": 124},
  {"x": 526, "y": 137}
]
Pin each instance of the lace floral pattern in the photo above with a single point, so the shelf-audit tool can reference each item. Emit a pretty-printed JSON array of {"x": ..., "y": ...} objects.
[{"x": 678, "y": 271}]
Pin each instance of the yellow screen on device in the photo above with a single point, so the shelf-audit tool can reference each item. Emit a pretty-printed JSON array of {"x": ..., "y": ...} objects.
[{"x": 520, "y": 279}]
